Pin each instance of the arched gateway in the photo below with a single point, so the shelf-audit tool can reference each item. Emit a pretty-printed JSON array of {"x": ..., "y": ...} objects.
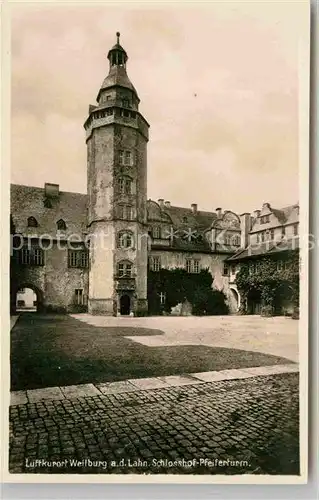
[{"x": 16, "y": 292}]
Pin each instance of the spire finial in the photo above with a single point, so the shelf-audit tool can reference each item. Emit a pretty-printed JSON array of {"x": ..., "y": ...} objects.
[{"x": 118, "y": 34}]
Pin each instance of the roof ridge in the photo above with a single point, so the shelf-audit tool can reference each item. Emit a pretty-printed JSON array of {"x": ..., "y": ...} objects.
[{"x": 42, "y": 189}]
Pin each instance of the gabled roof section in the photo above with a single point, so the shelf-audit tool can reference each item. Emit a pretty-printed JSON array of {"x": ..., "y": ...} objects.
[{"x": 28, "y": 201}]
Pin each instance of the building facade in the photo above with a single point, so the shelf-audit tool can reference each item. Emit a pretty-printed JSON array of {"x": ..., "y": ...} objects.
[{"x": 91, "y": 252}]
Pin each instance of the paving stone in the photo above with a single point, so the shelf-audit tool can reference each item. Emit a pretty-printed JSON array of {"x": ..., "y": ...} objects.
[
  {"x": 214, "y": 376},
  {"x": 272, "y": 369},
  {"x": 49, "y": 393},
  {"x": 18, "y": 398},
  {"x": 180, "y": 380},
  {"x": 149, "y": 383},
  {"x": 116, "y": 387},
  {"x": 80, "y": 391}
]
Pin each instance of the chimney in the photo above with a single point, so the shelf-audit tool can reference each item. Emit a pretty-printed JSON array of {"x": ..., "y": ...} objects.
[
  {"x": 266, "y": 205},
  {"x": 161, "y": 202},
  {"x": 219, "y": 212},
  {"x": 256, "y": 213},
  {"x": 245, "y": 221},
  {"x": 167, "y": 204},
  {"x": 194, "y": 208},
  {"x": 51, "y": 190}
]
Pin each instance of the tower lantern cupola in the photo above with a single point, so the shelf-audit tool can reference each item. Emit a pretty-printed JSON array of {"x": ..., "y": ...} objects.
[
  {"x": 117, "y": 55},
  {"x": 117, "y": 77}
]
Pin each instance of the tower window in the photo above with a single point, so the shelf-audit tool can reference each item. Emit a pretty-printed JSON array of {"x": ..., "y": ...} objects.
[
  {"x": 125, "y": 103},
  {"x": 125, "y": 212},
  {"x": 125, "y": 185},
  {"x": 125, "y": 239},
  {"x": 124, "y": 268},
  {"x": 32, "y": 222},
  {"x": 125, "y": 157},
  {"x": 61, "y": 225}
]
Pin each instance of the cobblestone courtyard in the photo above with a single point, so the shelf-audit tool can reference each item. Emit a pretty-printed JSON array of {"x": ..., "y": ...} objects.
[
  {"x": 252, "y": 421},
  {"x": 242, "y": 419}
]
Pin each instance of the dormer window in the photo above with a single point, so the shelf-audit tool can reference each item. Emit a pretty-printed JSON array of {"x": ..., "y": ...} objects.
[
  {"x": 32, "y": 222},
  {"x": 156, "y": 231},
  {"x": 264, "y": 219},
  {"x": 61, "y": 225}
]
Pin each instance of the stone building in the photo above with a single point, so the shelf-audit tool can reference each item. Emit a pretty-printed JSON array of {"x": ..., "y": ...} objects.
[
  {"x": 91, "y": 252},
  {"x": 273, "y": 236}
]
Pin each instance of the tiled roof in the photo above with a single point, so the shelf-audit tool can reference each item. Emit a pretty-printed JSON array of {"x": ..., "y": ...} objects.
[
  {"x": 185, "y": 217},
  {"x": 266, "y": 248},
  {"x": 28, "y": 201}
]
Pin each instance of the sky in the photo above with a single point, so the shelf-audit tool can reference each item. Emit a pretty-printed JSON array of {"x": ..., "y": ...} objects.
[{"x": 218, "y": 84}]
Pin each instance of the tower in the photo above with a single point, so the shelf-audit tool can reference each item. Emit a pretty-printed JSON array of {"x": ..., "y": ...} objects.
[{"x": 116, "y": 138}]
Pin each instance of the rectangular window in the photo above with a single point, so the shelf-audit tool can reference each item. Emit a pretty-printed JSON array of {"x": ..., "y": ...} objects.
[
  {"x": 196, "y": 266},
  {"x": 283, "y": 231},
  {"x": 156, "y": 263},
  {"x": 296, "y": 228},
  {"x": 79, "y": 297},
  {"x": 156, "y": 231},
  {"x": 124, "y": 269},
  {"x": 121, "y": 157},
  {"x": 78, "y": 258},
  {"x": 128, "y": 158},
  {"x": 279, "y": 265},
  {"x": 32, "y": 257},
  {"x": 188, "y": 266},
  {"x": 38, "y": 257},
  {"x": 233, "y": 269},
  {"x": 226, "y": 270},
  {"x": 162, "y": 296},
  {"x": 25, "y": 256},
  {"x": 272, "y": 234}
]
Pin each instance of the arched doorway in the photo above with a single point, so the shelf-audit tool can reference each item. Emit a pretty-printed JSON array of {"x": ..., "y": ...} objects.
[
  {"x": 125, "y": 305},
  {"x": 27, "y": 298},
  {"x": 235, "y": 300}
]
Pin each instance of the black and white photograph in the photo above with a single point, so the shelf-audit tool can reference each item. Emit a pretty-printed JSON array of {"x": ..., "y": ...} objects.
[{"x": 158, "y": 184}]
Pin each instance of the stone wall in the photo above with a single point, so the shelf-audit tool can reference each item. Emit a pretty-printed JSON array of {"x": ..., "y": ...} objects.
[{"x": 54, "y": 282}]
